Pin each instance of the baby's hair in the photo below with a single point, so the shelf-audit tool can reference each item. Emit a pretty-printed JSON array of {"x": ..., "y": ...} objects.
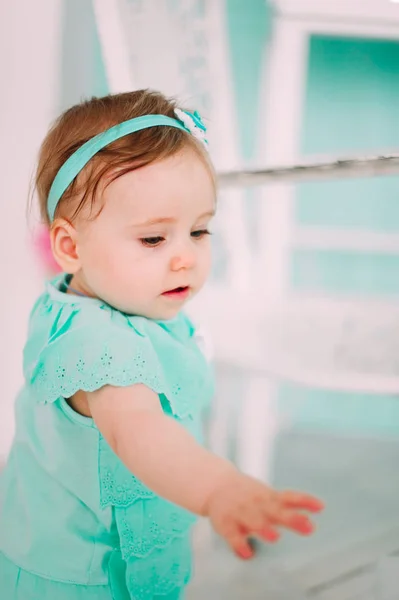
[{"x": 84, "y": 121}]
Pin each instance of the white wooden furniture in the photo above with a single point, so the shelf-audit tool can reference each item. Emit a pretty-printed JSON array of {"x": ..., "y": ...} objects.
[{"x": 279, "y": 334}]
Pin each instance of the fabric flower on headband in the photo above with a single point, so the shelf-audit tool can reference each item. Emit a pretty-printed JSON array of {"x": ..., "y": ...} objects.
[{"x": 194, "y": 124}]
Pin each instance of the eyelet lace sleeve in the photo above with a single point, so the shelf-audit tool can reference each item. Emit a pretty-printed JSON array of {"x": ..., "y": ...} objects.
[{"x": 85, "y": 349}]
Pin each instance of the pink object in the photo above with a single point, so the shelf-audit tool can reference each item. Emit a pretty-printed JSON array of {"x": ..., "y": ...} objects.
[{"x": 43, "y": 247}]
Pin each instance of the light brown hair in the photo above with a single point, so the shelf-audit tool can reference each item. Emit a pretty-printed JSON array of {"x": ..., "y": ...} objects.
[{"x": 91, "y": 117}]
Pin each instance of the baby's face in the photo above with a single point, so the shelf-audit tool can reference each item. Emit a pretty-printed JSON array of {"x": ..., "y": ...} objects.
[{"x": 148, "y": 251}]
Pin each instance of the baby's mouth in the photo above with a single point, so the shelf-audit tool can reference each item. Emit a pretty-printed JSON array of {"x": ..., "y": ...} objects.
[{"x": 178, "y": 293}]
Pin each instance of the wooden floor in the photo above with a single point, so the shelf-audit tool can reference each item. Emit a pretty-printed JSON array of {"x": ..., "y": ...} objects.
[{"x": 355, "y": 553}]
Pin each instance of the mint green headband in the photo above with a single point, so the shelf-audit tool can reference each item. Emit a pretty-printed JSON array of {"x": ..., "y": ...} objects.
[{"x": 190, "y": 122}]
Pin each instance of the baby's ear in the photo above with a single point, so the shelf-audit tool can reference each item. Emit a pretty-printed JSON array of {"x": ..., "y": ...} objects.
[{"x": 63, "y": 238}]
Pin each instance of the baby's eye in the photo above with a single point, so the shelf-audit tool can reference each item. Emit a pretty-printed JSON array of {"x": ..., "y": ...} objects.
[
  {"x": 200, "y": 233},
  {"x": 152, "y": 241}
]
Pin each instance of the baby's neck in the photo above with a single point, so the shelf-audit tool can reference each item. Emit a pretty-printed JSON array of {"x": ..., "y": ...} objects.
[{"x": 75, "y": 287}]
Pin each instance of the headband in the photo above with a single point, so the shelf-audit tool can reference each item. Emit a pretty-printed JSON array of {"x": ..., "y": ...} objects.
[{"x": 190, "y": 122}]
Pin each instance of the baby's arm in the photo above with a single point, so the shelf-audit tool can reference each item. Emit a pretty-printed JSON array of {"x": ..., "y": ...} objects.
[{"x": 169, "y": 461}]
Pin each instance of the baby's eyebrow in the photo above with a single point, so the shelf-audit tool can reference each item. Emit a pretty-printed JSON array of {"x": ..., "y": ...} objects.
[
  {"x": 209, "y": 213},
  {"x": 159, "y": 220},
  {"x": 156, "y": 221}
]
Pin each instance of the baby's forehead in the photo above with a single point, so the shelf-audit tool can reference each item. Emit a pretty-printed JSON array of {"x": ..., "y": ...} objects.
[
  {"x": 164, "y": 189},
  {"x": 152, "y": 213},
  {"x": 180, "y": 170}
]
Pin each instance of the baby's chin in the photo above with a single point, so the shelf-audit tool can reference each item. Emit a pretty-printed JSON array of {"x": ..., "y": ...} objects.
[
  {"x": 164, "y": 307},
  {"x": 156, "y": 312}
]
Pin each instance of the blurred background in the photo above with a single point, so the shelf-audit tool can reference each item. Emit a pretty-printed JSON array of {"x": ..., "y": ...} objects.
[{"x": 302, "y": 305}]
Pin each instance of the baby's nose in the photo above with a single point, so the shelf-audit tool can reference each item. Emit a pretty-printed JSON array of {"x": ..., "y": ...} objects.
[{"x": 185, "y": 259}]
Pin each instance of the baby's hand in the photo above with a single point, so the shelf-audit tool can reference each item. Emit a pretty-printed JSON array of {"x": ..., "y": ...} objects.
[{"x": 243, "y": 507}]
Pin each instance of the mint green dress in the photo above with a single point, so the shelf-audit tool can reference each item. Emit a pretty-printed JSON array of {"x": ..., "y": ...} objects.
[{"x": 75, "y": 524}]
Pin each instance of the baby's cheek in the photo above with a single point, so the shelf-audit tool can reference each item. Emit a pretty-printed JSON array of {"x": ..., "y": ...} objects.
[
  {"x": 205, "y": 262},
  {"x": 112, "y": 253},
  {"x": 102, "y": 266}
]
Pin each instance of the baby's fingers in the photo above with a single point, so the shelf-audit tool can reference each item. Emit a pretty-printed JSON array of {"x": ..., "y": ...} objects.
[
  {"x": 253, "y": 521},
  {"x": 268, "y": 534},
  {"x": 282, "y": 511},
  {"x": 237, "y": 538},
  {"x": 301, "y": 501},
  {"x": 293, "y": 520}
]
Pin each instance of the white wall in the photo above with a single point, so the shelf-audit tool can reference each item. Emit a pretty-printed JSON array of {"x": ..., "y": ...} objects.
[{"x": 29, "y": 64}]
